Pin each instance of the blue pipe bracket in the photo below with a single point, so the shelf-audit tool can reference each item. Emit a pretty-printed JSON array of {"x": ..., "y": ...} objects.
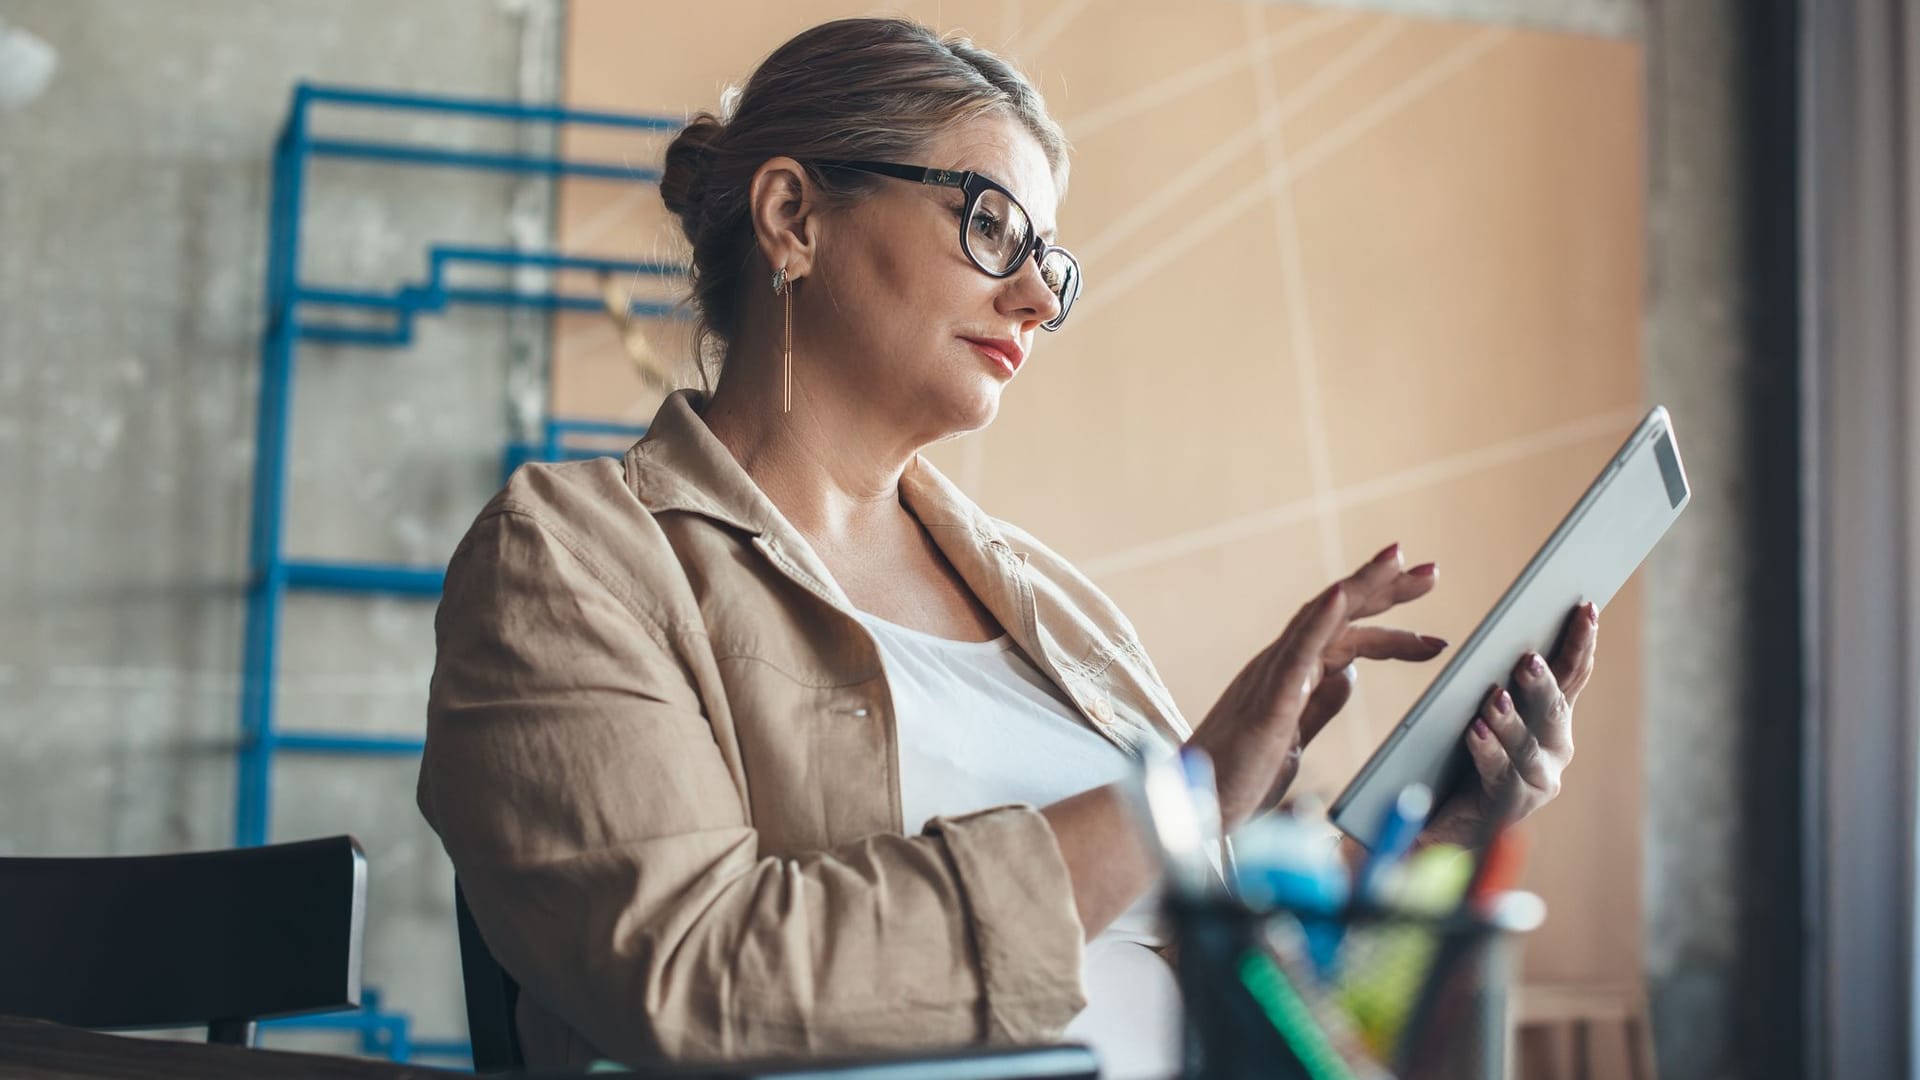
[
  {"x": 294, "y": 313},
  {"x": 434, "y": 295}
]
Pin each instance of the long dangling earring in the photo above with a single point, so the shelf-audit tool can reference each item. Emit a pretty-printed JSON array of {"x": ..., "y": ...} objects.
[{"x": 783, "y": 287}]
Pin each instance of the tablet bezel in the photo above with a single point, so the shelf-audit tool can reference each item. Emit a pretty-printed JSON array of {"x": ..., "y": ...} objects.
[{"x": 1654, "y": 434}]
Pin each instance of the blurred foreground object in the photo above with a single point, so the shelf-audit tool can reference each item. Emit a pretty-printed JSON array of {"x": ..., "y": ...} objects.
[{"x": 27, "y": 65}]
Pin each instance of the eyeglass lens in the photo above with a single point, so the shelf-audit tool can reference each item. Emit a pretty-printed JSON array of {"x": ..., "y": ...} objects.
[{"x": 999, "y": 235}]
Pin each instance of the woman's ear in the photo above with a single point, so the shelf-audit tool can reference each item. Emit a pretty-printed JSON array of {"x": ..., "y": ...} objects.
[{"x": 782, "y": 201}]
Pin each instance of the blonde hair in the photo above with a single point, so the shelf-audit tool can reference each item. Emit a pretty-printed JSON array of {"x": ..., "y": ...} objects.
[{"x": 869, "y": 88}]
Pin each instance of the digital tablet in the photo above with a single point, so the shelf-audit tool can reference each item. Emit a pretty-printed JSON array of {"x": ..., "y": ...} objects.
[{"x": 1597, "y": 547}]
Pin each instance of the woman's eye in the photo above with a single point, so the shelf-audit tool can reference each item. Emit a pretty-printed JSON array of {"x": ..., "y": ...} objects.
[{"x": 987, "y": 225}]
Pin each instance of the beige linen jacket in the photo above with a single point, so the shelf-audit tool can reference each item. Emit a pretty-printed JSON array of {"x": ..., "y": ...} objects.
[{"x": 661, "y": 755}]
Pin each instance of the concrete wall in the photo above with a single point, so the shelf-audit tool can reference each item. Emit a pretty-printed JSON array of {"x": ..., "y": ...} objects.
[
  {"x": 1726, "y": 935},
  {"x": 1694, "y": 361},
  {"x": 131, "y": 237}
]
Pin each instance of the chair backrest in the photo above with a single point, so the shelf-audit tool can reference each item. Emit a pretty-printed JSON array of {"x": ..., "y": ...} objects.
[
  {"x": 222, "y": 938},
  {"x": 491, "y": 997}
]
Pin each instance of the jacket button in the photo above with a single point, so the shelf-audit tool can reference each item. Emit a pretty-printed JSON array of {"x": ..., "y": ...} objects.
[{"x": 1100, "y": 709}]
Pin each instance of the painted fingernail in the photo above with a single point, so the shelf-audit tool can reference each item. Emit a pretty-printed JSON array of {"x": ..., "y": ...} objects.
[
  {"x": 1388, "y": 553},
  {"x": 1536, "y": 666},
  {"x": 1480, "y": 729},
  {"x": 1503, "y": 703},
  {"x": 1433, "y": 642},
  {"x": 1425, "y": 569}
]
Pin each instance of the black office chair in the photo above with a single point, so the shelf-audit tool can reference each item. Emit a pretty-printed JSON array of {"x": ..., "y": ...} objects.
[
  {"x": 491, "y": 997},
  {"x": 221, "y": 938}
]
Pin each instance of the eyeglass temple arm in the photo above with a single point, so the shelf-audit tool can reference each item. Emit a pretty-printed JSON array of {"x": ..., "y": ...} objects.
[{"x": 938, "y": 177}]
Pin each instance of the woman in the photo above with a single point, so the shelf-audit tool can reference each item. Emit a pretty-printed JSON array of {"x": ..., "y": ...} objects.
[{"x": 764, "y": 739}]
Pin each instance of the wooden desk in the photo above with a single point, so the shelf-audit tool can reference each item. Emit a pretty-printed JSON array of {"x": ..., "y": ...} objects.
[{"x": 37, "y": 1050}]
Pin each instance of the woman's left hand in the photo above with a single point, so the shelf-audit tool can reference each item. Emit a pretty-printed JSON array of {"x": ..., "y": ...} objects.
[{"x": 1522, "y": 742}]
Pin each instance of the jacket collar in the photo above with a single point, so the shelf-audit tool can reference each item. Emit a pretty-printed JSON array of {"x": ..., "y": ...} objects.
[{"x": 681, "y": 466}]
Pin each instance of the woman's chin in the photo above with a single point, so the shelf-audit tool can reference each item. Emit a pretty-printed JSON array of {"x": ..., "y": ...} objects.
[
  {"x": 979, "y": 408},
  {"x": 954, "y": 410}
]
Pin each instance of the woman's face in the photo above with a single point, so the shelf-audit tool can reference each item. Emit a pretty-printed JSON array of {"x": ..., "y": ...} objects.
[{"x": 903, "y": 320}]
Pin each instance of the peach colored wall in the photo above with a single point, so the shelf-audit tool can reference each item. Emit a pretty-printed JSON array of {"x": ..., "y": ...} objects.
[{"x": 1351, "y": 279}]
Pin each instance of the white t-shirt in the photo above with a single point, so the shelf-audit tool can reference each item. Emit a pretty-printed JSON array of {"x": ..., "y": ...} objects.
[{"x": 980, "y": 726}]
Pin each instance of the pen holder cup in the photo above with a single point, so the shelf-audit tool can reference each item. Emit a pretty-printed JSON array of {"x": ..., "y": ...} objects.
[{"x": 1367, "y": 994}]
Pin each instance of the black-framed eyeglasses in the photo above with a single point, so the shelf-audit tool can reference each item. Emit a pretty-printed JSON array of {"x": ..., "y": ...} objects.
[{"x": 996, "y": 232}]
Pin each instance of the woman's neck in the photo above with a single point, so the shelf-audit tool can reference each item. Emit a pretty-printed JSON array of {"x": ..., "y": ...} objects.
[{"x": 832, "y": 472}]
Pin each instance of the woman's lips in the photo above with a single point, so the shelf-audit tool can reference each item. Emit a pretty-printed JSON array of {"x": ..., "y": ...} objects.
[{"x": 1005, "y": 353}]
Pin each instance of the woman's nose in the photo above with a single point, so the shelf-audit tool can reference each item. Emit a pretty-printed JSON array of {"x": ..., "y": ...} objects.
[{"x": 1030, "y": 290}]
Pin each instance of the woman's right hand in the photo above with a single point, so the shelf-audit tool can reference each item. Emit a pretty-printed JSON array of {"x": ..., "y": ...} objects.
[{"x": 1286, "y": 694}]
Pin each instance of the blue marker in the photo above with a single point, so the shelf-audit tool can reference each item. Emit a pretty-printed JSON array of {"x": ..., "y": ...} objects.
[
  {"x": 1289, "y": 864},
  {"x": 1405, "y": 818}
]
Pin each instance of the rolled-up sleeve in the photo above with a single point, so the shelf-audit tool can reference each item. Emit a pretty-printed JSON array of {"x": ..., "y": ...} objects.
[{"x": 606, "y": 851}]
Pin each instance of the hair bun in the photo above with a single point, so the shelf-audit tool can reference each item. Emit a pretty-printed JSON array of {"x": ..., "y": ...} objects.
[{"x": 683, "y": 178}]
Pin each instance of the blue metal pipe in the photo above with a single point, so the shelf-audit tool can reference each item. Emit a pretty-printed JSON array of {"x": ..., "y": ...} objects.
[
  {"x": 400, "y": 153},
  {"x": 410, "y": 301},
  {"x": 597, "y": 427},
  {"x": 547, "y": 301},
  {"x": 401, "y": 334},
  {"x": 365, "y": 577},
  {"x": 328, "y": 742},
  {"x": 435, "y": 295},
  {"x": 551, "y": 446},
  {"x": 503, "y": 110},
  {"x": 382, "y": 1033},
  {"x": 551, "y": 260},
  {"x": 360, "y": 298},
  {"x": 456, "y": 1049},
  {"x": 253, "y": 808},
  {"x": 520, "y": 453}
]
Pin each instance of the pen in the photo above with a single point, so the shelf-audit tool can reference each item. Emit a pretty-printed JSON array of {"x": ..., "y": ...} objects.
[
  {"x": 1498, "y": 870},
  {"x": 1405, "y": 818},
  {"x": 1197, "y": 768}
]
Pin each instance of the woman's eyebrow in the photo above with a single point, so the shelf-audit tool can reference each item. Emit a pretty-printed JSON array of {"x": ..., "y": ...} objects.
[{"x": 1049, "y": 234}]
